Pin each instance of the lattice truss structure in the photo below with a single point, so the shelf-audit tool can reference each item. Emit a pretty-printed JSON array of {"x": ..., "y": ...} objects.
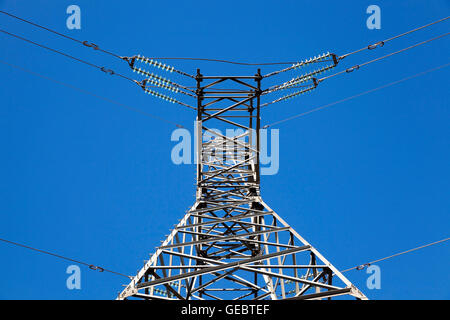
[{"x": 230, "y": 244}]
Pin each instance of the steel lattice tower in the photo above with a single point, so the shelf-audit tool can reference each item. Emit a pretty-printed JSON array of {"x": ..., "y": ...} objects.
[{"x": 230, "y": 244}]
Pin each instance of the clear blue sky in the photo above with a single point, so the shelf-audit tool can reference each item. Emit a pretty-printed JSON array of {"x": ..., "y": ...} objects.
[{"x": 94, "y": 181}]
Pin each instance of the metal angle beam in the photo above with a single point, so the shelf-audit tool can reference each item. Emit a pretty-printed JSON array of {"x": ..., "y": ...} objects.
[
  {"x": 241, "y": 264},
  {"x": 218, "y": 267},
  {"x": 222, "y": 238},
  {"x": 222, "y": 220},
  {"x": 325, "y": 294}
]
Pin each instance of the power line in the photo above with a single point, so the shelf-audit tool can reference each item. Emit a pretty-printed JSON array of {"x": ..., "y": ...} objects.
[
  {"x": 356, "y": 96},
  {"x": 358, "y": 66},
  {"x": 108, "y": 71},
  {"x": 101, "y": 269},
  {"x": 85, "y": 43},
  {"x": 92, "y": 94},
  {"x": 91, "y": 266},
  {"x": 227, "y": 61},
  {"x": 369, "y": 47},
  {"x": 349, "y": 70},
  {"x": 96, "y": 47},
  {"x": 362, "y": 266},
  {"x": 103, "y": 69},
  {"x": 149, "y": 284},
  {"x": 383, "y": 42}
]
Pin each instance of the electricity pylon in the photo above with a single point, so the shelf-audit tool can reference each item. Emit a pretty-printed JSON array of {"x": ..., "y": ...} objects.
[{"x": 230, "y": 244}]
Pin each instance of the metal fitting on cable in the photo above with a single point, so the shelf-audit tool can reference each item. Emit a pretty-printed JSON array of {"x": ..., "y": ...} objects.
[
  {"x": 91, "y": 45},
  {"x": 109, "y": 71},
  {"x": 376, "y": 45},
  {"x": 352, "y": 69},
  {"x": 363, "y": 266},
  {"x": 92, "y": 267}
]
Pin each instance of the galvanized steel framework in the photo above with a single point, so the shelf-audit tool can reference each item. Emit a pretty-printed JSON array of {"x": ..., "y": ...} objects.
[{"x": 230, "y": 244}]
